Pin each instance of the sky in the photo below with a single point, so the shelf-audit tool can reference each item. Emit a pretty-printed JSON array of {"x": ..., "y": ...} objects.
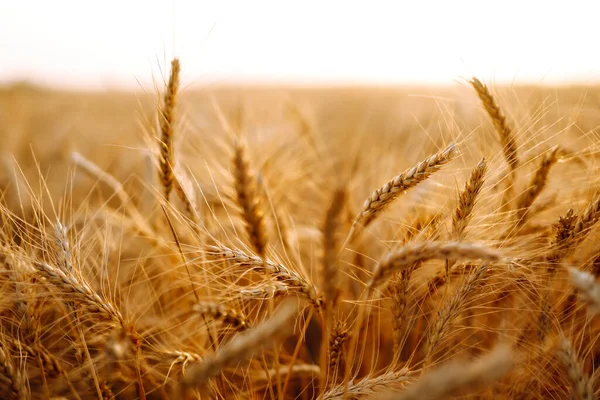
[{"x": 125, "y": 43}]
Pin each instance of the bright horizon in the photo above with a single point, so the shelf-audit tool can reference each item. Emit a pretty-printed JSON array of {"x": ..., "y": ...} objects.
[{"x": 122, "y": 44}]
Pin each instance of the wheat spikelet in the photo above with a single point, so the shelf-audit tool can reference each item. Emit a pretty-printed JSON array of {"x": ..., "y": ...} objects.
[
  {"x": 589, "y": 288},
  {"x": 166, "y": 159},
  {"x": 241, "y": 347},
  {"x": 406, "y": 180},
  {"x": 581, "y": 387},
  {"x": 452, "y": 378},
  {"x": 537, "y": 184},
  {"x": 368, "y": 387},
  {"x": 249, "y": 199},
  {"x": 230, "y": 316},
  {"x": 467, "y": 198},
  {"x": 509, "y": 145},
  {"x": 281, "y": 273},
  {"x": 70, "y": 284},
  {"x": 412, "y": 253}
]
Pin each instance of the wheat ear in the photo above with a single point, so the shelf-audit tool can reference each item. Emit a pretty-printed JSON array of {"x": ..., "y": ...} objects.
[
  {"x": 537, "y": 184},
  {"x": 249, "y": 199},
  {"x": 450, "y": 310},
  {"x": 466, "y": 200},
  {"x": 509, "y": 145},
  {"x": 589, "y": 288},
  {"x": 466, "y": 376},
  {"x": 281, "y": 273},
  {"x": 406, "y": 180},
  {"x": 571, "y": 231},
  {"x": 412, "y": 253},
  {"x": 167, "y": 123},
  {"x": 581, "y": 387},
  {"x": 228, "y": 315},
  {"x": 337, "y": 338},
  {"x": 68, "y": 283},
  {"x": 11, "y": 376},
  {"x": 588, "y": 219},
  {"x": 369, "y": 387},
  {"x": 241, "y": 347}
]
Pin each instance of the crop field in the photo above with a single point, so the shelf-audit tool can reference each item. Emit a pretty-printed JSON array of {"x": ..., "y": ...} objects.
[{"x": 300, "y": 243}]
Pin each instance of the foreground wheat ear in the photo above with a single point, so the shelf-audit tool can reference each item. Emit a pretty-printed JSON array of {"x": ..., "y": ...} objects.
[
  {"x": 406, "y": 180},
  {"x": 167, "y": 124},
  {"x": 248, "y": 198},
  {"x": 242, "y": 347},
  {"x": 509, "y": 146}
]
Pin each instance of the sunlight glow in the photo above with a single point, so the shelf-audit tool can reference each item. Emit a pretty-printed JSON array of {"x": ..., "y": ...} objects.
[{"x": 120, "y": 43}]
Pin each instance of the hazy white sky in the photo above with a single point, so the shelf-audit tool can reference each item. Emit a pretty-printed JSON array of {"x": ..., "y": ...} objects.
[{"x": 101, "y": 44}]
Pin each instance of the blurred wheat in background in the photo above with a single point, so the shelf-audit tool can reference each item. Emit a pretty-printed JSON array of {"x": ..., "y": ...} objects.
[{"x": 289, "y": 242}]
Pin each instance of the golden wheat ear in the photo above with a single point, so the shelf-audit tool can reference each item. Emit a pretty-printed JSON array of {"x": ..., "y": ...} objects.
[
  {"x": 581, "y": 387},
  {"x": 466, "y": 200},
  {"x": 248, "y": 198},
  {"x": 507, "y": 140},
  {"x": 12, "y": 375},
  {"x": 383, "y": 196},
  {"x": 241, "y": 347},
  {"x": 459, "y": 377},
  {"x": 588, "y": 287},
  {"x": 166, "y": 159},
  {"x": 535, "y": 187}
]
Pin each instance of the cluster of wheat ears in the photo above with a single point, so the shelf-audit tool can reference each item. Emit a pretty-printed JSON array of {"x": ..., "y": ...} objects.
[{"x": 486, "y": 296}]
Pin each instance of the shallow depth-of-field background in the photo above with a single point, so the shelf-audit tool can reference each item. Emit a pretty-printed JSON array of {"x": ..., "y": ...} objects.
[{"x": 108, "y": 288}]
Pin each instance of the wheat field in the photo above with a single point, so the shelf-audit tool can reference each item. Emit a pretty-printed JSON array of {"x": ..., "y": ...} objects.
[{"x": 300, "y": 243}]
